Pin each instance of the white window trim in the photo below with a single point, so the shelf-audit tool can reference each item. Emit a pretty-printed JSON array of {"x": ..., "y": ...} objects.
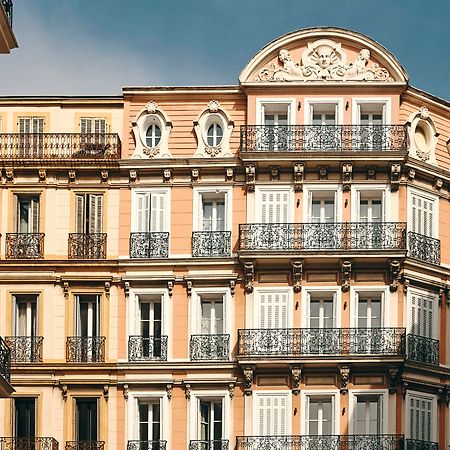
[
  {"x": 166, "y": 306},
  {"x": 352, "y": 399},
  {"x": 434, "y": 413},
  {"x": 321, "y": 188},
  {"x": 305, "y": 394},
  {"x": 192, "y": 413},
  {"x": 197, "y": 203},
  {"x": 429, "y": 196},
  {"x": 290, "y": 303},
  {"x": 436, "y": 315},
  {"x": 387, "y": 120},
  {"x": 388, "y": 215},
  {"x": 309, "y": 101},
  {"x": 260, "y": 189},
  {"x": 306, "y": 293},
  {"x": 272, "y": 392},
  {"x": 131, "y": 426},
  {"x": 290, "y": 101},
  {"x": 387, "y": 321}
]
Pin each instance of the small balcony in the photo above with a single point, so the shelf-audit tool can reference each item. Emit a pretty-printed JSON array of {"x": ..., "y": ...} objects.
[
  {"x": 211, "y": 244},
  {"x": 85, "y": 445},
  {"x": 144, "y": 349},
  {"x": 217, "y": 444},
  {"x": 414, "y": 444},
  {"x": 333, "y": 236},
  {"x": 149, "y": 245},
  {"x": 321, "y": 342},
  {"x": 147, "y": 445},
  {"x": 210, "y": 347},
  {"x": 5, "y": 370},
  {"x": 87, "y": 245},
  {"x": 24, "y": 245},
  {"x": 425, "y": 248},
  {"x": 36, "y": 443},
  {"x": 25, "y": 349},
  {"x": 330, "y": 442},
  {"x": 423, "y": 349},
  {"x": 322, "y": 138},
  {"x": 85, "y": 349},
  {"x": 23, "y": 147}
]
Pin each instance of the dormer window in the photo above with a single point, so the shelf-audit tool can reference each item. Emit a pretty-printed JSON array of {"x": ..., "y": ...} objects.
[
  {"x": 153, "y": 135},
  {"x": 214, "y": 135}
]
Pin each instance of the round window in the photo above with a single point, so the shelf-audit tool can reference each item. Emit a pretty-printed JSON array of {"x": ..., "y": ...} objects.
[
  {"x": 214, "y": 135},
  {"x": 153, "y": 135},
  {"x": 421, "y": 138}
]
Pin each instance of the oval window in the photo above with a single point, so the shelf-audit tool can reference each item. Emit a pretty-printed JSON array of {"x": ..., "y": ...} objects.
[
  {"x": 214, "y": 135},
  {"x": 153, "y": 135},
  {"x": 420, "y": 139}
]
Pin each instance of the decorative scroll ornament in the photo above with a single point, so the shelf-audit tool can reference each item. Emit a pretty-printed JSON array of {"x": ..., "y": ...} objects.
[
  {"x": 213, "y": 106},
  {"x": 322, "y": 60},
  {"x": 151, "y": 107}
]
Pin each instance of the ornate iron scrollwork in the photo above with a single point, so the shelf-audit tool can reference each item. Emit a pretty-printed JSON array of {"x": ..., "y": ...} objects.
[
  {"x": 207, "y": 347},
  {"x": 5, "y": 360},
  {"x": 425, "y": 248},
  {"x": 87, "y": 245},
  {"x": 217, "y": 444},
  {"x": 24, "y": 245},
  {"x": 85, "y": 445},
  {"x": 423, "y": 349},
  {"x": 211, "y": 243},
  {"x": 25, "y": 349},
  {"x": 85, "y": 349},
  {"x": 147, "y": 445},
  {"x": 149, "y": 245},
  {"x": 147, "y": 348},
  {"x": 35, "y": 443}
]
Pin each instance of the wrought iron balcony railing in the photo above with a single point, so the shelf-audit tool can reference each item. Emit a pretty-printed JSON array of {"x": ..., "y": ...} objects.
[
  {"x": 5, "y": 360},
  {"x": 217, "y": 444},
  {"x": 87, "y": 245},
  {"x": 425, "y": 248},
  {"x": 297, "y": 342},
  {"x": 24, "y": 245},
  {"x": 211, "y": 243},
  {"x": 323, "y": 236},
  {"x": 149, "y": 245},
  {"x": 8, "y": 7},
  {"x": 147, "y": 348},
  {"x": 319, "y": 138},
  {"x": 325, "y": 442},
  {"x": 85, "y": 445},
  {"x": 414, "y": 444},
  {"x": 59, "y": 146},
  {"x": 147, "y": 445},
  {"x": 35, "y": 443},
  {"x": 210, "y": 347},
  {"x": 423, "y": 349},
  {"x": 85, "y": 349},
  {"x": 25, "y": 349}
]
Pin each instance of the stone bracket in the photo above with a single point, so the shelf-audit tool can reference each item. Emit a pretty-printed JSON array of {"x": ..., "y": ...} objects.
[
  {"x": 297, "y": 271},
  {"x": 250, "y": 177},
  {"x": 346, "y": 269},
  {"x": 249, "y": 275}
]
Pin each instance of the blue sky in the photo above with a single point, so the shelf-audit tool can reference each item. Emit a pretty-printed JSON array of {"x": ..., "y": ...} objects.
[{"x": 94, "y": 47}]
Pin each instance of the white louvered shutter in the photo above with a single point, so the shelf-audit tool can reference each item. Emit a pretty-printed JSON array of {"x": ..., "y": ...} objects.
[
  {"x": 274, "y": 206},
  {"x": 422, "y": 215},
  {"x": 420, "y": 420},
  {"x": 80, "y": 213},
  {"x": 273, "y": 310},
  {"x": 34, "y": 203},
  {"x": 421, "y": 315},
  {"x": 92, "y": 125},
  {"x": 272, "y": 414},
  {"x": 143, "y": 211},
  {"x": 95, "y": 213},
  {"x": 158, "y": 201}
]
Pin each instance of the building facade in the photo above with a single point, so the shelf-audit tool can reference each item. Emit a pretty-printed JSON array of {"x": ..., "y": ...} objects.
[{"x": 260, "y": 266}]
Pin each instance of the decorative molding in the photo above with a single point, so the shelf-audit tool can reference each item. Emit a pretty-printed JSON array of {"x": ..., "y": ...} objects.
[
  {"x": 344, "y": 375},
  {"x": 274, "y": 173},
  {"x": 394, "y": 273},
  {"x": 438, "y": 183},
  {"x": 346, "y": 269},
  {"x": 42, "y": 175},
  {"x": 126, "y": 391},
  {"x": 371, "y": 173},
  {"x": 411, "y": 174},
  {"x": 248, "y": 380},
  {"x": 167, "y": 175},
  {"x": 187, "y": 391},
  {"x": 126, "y": 289},
  {"x": 107, "y": 289},
  {"x": 64, "y": 391},
  {"x": 299, "y": 174},
  {"x": 394, "y": 378},
  {"x": 250, "y": 177},
  {"x": 296, "y": 376},
  {"x": 297, "y": 271},
  {"x": 444, "y": 395},
  {"x": 324, "y": 60},
  {"x": 232, "y": 287},
  {"x": 422, "y": 136},
  {"x": 151, "y": 107},
  {"x": 323, "y": 173},
  {"x": 170, "y": 288},
  {"x": 104, "y": 174},
  {"x": 213, "y": 106},
  {"x": 106, "y": 391},
  {"x": 189, "y": 284},
  {"x": 132, "y": 174},
  {"x": 9, "y": 173},
  {"x": 347, "y": 175},
  {"x": 396, "y": 169},
  {"x": 231, "y": 390},
  {"x": 195, "y": 174},
  {"x": 229, "y": 174},
  {"x": 249, "y": 275},
  {"x": 66, "y": 288},
  {"x": 169, "y": 388}
]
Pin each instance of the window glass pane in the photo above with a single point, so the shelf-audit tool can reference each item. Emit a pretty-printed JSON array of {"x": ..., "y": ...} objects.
[
  {"x": 269, "y": 119},
  {"x": 329, "y": 210},
  {"x": 153, "y": 135}
]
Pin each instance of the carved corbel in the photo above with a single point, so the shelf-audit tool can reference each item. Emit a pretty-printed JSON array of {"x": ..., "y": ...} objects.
[
  {"x": 167, "y": 176},
  {"x": 189, "y": 285},
  {"x": 229, "y": 174},
  {"x": 106, "y": 391},
  {"x": 299, "y": 174},
  {"x": 296, "y": 376},
  {"x": 127, "y": 289},
  {"x": 232, "y": 287},
  {"x": 104, "y": 174},
  {"x": 394, "y": 379},
  {"x": 249, "y": 276},
  {"x": 396, "y": 169},
  {"x": 231, "y": 390},
  {"x": 72, "y": 174},
  {"x": 347, "y": 175},
  {"x": 411, "y": 174},
  {"x": 438, "y": 183},
  {"x": 42, "y": 175},
  {"x": 250, "y": 177},
  {"x": 443, "y": 396},
  {"x": 323, "y": 173},
  {"x": 187, "y": 391},
  {"x": 405, "y": 285},
  {"x": 297, "y": 270},
  {"x": 274, "y": 173},
  {"x": 132, "y": 176},
  {"x": 126, "y": 391},
  {"x": 66, "y": 289},
  {"x": 344, "y": 374},
  {"x": 169, "y": 388},
  {"x": 9, "y": 173},
  {"x": 170, "y": 288},
  {"x": 64, "y": 391},
  {"x": 107, "y": 290},
  {"x": 248, "y": 380},
  {"x": 195, "y": 174},
  {"x": 394, "y": 272},
  {"x": 346, "y": 268},
  {"x": 371, "y": 173}
]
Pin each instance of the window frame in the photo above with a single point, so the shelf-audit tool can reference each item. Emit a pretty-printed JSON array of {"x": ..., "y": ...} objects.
[
  {"x": 386, "y": 110},
  {"x": 259, "y": 190},
  {"x": 384, "y": 292},
  {"x": 384, "y": 401},
  {"x": 310, "y": 189},
  {"x": 436, "y": 327},
  {"x": 318, "y": 291},
  {"x": 434, "y": 413},
  {"x": 309, "y": 103},
  {"x": 197, "y": 205},
  {"x": 411, "y": 191},
  {"x": 290, "y": 102},
  {"x": 148, "y": 191},
  {"x": 271, "y": 393},
  {"x": 304, "y": 402},
  {"x": 388, "y": 213}
]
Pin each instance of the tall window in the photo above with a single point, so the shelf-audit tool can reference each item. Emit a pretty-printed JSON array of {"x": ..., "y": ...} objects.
[
  {"x": 421, "y": 418},
  {"x": 368, "y": 415},
  {"x": 89, "y": 213},
  {"x": 87, "y": 319},
  {"x": 422, "y": 215},
  {"x": 27, "y": 214},
  {"x": 320, "y": 416},
  {"x": 274, "y": 206},
  {"x": 25, "y": 418},
  {"x": 25, "y": 315},
  {"x": 151, "y": 211},
  {"x": 213, "y": 212},
  {"x": 149, "y": 416},
  {"x": 271, "y": 414},
  {"x": 150, "y": 323},
  {"x": 31, "y": 138},
  {"x": 86, "y": 419},
  {"x": 210, "y": 421},
  {"x": 370, "y": 117},
  {"x": 212, "y": 315}
]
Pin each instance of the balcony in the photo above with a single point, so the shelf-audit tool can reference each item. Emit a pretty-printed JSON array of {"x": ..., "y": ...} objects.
[
  {"x": 85, "y": 445},
  {"x": 217, "y": 444},
  {"x": 414, "y": 444},
  {"x": 5, "y": 370},
  {"x": 143, "y": 349},
  {"x": 211, "y": 244},
  {"x": 424, "y": 248},
  {"x": 322, "y": 138},
  {"x": 27, "y": 147},
  {"x": 36, "y": 443},
  {"x": 210, "y": 347},
  {"x": 87, "y": 245},
  {"x": 334, "y": 236},
  {"x": 149, "y": 245},
  {"x": 423, "y": 349},
  {"x": 146, "y": 445},
  {"x": 24, "y": 245},
  {"x": 25, "y": 349},
  {"x": 85, "y": 349},
  {"x": 304, "y": 342},
  {"x": 330, "y": 442}
]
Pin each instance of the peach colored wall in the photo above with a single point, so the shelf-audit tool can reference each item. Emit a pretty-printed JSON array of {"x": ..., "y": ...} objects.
[
  {"x": 180, "y": 338},
  {"x": 124, "y": 222},
  {"x": 181, "y": 220},
  {"x": 179, "y": 419}
]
